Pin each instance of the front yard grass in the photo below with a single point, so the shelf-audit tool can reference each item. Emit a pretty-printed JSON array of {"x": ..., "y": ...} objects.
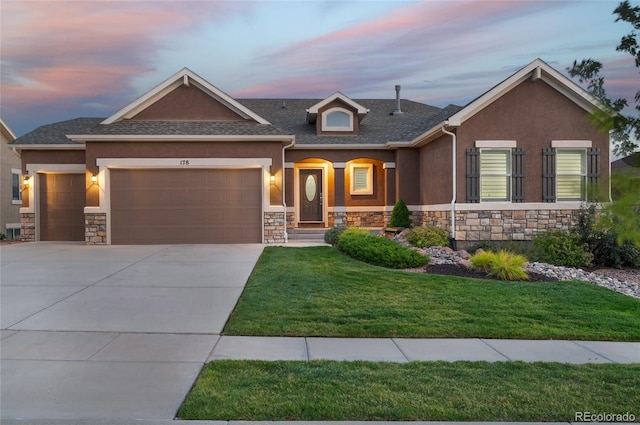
[
  {"x": 431, "y": 391},
  {"x": 318, "y": 291}
]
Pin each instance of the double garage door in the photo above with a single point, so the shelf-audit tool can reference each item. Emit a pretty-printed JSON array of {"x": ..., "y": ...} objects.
[
  {"x": 160, "y": 206},
  {"x": 186, "y": 206}
]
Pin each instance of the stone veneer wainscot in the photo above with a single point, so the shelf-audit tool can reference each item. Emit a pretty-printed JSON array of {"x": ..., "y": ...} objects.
[{"x": 95, "y": 228}]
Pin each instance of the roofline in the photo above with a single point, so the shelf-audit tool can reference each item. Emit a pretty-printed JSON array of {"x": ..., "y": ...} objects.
[
  {"x": 7, "y": 130},
  {"x": 337, "y": 95},
  {"x": 183, "y": 77},
  {"x": 538, "y": 69},
  {"x": 341, "y": 146},
  {"x": 55, "y": 147},
  {"x": 83, "y": 138}
]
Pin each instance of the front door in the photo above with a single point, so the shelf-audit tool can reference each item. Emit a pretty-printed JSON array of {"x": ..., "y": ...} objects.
[{"x": 311, "y": 195}]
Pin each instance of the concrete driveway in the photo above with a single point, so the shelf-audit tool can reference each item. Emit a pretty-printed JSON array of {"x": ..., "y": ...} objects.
[{"x": 90, "y": 332}]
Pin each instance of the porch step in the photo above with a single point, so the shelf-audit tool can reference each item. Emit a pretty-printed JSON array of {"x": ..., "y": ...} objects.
[{"x": 299, "y": 235}]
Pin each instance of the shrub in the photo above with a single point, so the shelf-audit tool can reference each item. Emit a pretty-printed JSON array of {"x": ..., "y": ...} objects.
[
  {"x": 379, "y": 251},
  {"x": 400, "y": 216},
  {"x": 563, "y": 249},
  {"x": 331, "y": 236},
  {"x": 503, "y": 264},
  {"x": 604, "y": 242},
  {"x": 426, "y": 236}
]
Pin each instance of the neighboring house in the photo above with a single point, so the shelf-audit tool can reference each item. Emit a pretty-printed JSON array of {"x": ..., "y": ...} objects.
[
  {"x": 11, "y": 182},
  {"x": 187, "y": 163},
  {"x": 629, "y": 164}
]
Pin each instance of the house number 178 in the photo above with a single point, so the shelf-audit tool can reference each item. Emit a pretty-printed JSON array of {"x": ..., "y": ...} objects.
[{"x": 184, "y": 162}]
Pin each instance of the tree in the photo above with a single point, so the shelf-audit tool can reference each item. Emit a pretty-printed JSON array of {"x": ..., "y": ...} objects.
[{"x": 622, "y": 126}]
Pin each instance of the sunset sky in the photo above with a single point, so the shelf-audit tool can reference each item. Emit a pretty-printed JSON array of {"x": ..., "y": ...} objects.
[{"x": 68, "y": 59}]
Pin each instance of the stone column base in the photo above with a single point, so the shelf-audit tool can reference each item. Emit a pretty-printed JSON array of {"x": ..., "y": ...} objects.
[
  {"x": 27, "y": 227},
  {"x": 273, "y": 227},
  {"x": 95, "y": 228}
]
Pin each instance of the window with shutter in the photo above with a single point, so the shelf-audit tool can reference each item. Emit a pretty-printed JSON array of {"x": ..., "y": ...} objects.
[
  {"x": 571, "y": 174},
  {"x": 495, "y": 174}
]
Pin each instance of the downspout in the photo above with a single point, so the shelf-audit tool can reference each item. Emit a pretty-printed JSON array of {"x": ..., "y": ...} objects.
[
  {"x": 454, "y": 167},
  {"x": 284, "y": 202}
]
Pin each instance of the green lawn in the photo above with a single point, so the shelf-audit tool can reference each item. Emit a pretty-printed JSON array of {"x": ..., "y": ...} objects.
[
  {"x": 435, "y": 391},
  {"x": 317, "y": 291}
]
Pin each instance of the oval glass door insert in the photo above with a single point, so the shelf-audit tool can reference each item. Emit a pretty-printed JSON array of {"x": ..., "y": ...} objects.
[{"x": 310, "y": 188}]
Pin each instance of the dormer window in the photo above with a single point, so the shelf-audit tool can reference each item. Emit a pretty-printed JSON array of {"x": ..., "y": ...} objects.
[{"x": 337, "y": 119}]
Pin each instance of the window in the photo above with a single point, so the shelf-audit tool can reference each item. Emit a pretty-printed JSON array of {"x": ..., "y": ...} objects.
[
  {"x": 337, "y": 119},
  {"x": 16, "y": 186},
  {"x": 362, "y": 179},
  {"x": 571, "y": 175},
  {"x": 13, "y": 231},
  {"x": 495, "y": 174}
]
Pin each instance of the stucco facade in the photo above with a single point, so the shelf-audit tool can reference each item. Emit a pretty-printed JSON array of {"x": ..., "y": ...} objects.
[
  {"x": 10, "y": 175},
  {"x": 310, "y": 163}
]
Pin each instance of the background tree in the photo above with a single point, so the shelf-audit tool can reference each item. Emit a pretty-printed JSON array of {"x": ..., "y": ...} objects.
[{"x": 625, "y": 128}]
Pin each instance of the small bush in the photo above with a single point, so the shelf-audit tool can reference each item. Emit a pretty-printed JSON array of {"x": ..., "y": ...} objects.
[
  {"x": 563, "y": 249},
  {"x": 400, "y": 216},
  {"x": 331, "y": 236},
  {"x": 425, "y": 236},
  {"x": 379, "y": 251},
  {"x": 504, "y": 265},
  {"x": 604, "y": 243}
]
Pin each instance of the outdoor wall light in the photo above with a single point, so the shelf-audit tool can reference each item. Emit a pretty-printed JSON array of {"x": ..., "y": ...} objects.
[
  {"x": 273, "y": 179},
  {"x": 94, "y": 179},
  {"x": 25, "y": 181}
]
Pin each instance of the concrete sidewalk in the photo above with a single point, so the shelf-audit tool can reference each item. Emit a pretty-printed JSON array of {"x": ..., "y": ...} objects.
[{"x": 406, "y": 350}]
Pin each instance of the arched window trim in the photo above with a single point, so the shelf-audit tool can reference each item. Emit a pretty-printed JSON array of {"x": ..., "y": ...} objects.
[{"x": 330, "y": 111}]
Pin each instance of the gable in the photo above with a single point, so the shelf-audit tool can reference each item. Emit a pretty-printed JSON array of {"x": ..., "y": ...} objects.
[
  {"x": 187, "y": 103},
  {"x": 531, "y": 107},
  {"x": 184, "y": 78}
]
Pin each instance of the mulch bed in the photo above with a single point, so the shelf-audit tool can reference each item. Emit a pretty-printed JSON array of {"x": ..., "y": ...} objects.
[{"x": 462, "y": 271}]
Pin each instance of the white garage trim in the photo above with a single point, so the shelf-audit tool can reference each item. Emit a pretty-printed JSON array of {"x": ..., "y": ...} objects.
[{"x": 34, "y": 186}]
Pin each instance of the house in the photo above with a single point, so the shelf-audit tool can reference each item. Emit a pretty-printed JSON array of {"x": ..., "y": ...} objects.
[
  {"x": 187, "y": 163},
  {"x": 630, "y": 164},
  {"x": 11, "y": 182}
]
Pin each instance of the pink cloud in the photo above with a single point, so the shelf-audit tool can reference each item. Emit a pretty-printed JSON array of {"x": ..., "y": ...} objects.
[
  {"x": 400, "y": 44},
  {"x": 58, "y": 50}
]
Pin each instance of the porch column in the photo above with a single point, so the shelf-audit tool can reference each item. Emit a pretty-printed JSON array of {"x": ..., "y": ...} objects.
[
  {"x": 339, "y": 216},
  {"x": 390, "y": 183},
  {"x": 338, "y": 168}
]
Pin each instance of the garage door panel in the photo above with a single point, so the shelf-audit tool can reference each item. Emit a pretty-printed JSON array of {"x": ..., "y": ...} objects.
[
  {"x": 61, "y": 207},
  {"x": 186, "y": 206}
]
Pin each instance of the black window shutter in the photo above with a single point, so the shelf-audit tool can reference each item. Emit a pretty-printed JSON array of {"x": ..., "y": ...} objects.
[
  {"x": 517, "y": 175},
  {"x": 548, "y": 175},
  {"x": 593, "y": 170},
  {"x": 473, "y": 175}
]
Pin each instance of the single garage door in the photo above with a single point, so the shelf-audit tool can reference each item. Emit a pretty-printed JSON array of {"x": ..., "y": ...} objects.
[
  {"x": 62, "y": 201},
  {"x": 186, "y": 206}
]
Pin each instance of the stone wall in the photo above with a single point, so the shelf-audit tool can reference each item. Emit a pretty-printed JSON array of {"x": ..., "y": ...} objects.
[
  {"x": 376, "y": 219},
  {"x": 95, "y": 228},
  {"x": 498, "y": 225},
  {"x": 28, "y": 227},
  {"x": 273, "y": 227}
]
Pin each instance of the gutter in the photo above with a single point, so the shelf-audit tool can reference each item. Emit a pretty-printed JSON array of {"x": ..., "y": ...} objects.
[
  {"x": 284, "y": 202},
  {"x": 454, "y": 185}
]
